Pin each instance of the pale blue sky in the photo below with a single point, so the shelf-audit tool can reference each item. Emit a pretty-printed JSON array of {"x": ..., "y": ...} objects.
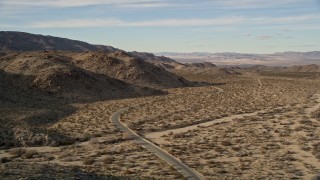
[{"x": 245, "y": 26}]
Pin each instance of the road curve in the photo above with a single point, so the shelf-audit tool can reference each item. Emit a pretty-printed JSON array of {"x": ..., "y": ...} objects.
[{"x": 186, "y": 171}]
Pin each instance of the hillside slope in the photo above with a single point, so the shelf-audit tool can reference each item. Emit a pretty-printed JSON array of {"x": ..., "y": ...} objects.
[
  {"x": 121, "y": 65},
  {"x": 50, "y": 72},
  {"x": 303, "y": 68},
  {"x": 142, "y": 69}
]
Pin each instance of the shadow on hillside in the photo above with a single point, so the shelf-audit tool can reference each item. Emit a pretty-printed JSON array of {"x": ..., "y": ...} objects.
[
  {"x": 26, "y": 112},
  {"x": 203, "y": 84}
]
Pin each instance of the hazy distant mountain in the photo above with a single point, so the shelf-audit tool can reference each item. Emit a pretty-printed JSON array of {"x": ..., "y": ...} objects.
[
  {"x": 276, "y": 59},
  {"x": 20, "y": 41}
]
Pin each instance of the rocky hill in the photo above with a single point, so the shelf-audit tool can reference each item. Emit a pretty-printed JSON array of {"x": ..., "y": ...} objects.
[
  {"x": 150, "y": 57},
  {"x": 122, "y": 66},
  {"x": 200, "y": 65},
  {"x": 160, "y": 61},
  {"x": 53, "y": 73},
  {"x": 303, "y": 68},
  {"x": 142, "y": 69}
]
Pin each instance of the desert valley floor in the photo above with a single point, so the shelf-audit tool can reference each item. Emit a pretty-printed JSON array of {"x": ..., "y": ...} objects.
[{"x": 248, "y": 126}]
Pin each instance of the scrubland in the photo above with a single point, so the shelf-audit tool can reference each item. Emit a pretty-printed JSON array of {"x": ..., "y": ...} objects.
[{"x": 242, "y": 126}]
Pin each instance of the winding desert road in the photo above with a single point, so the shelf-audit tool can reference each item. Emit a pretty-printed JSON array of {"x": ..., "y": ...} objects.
[{"x": 186, "y": 171}]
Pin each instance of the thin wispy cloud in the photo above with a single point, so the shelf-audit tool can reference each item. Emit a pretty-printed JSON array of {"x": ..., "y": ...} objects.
[
  {"x": 245, "y": 35},
  {"x": 14, "y": 7},
  {"x": 145, "y": 5},
  {"x": 241, "y": 4},
  {"x": 288, "y": 18},
  {"x": 69, "y": 23},
  {"x": 78, "y": 3},
  {"x": 5, "y": 26},
  {"x": 298, "y": 27},
  {"x": 154, "y": 3},
  {"x": 115, "y": 22},
  {"x": 77, "y": 23},
  {"x": 305, "y": 45},
  {"x": 265, "y": 37}
]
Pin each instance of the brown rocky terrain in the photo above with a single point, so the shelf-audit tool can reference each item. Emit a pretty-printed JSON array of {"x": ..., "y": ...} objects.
[
  {"x": 203, "y": 65},
  {"x": 52, "y": 72},
  {"x": 303, "y": 68},
  {"x": 130, "y": 69}
]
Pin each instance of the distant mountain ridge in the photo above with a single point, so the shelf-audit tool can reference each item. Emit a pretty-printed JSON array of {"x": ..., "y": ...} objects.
[
  {"x": 21, "y": 41},
  {"x": 275, "y": 59}
]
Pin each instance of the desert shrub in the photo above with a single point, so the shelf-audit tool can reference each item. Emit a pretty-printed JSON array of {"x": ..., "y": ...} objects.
[
  {"x": 306, "y": 122},
  {"x": 88, "y": 160},
  {"x": 128, "y": 171},
  {"x": 316, "y": 114},
  {"x": 17, "y": 152},
  {"x": 30, "y": 154},
  {"x": 94, "y": 141},
  {"x": 49, "y": 158},
  {"x": 175, "y": 136},
  {"x": 316, "y": 177},
  {"x": 107, "y": 160},
  {"x": 316, "y": 147},
  {"x": 4, "y": 160},
  {"x": 226, "y": 143}
]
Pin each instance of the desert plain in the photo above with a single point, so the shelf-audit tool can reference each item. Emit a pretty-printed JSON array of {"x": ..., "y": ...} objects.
[{"x": 252, "y": 125}]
